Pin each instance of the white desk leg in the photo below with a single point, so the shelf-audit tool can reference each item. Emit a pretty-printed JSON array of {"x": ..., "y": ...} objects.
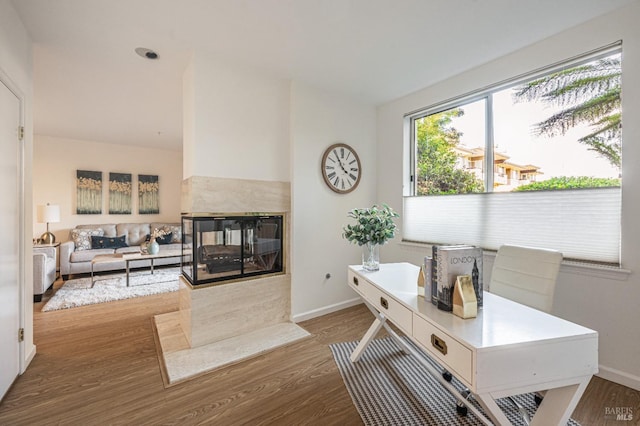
[
  {"x": 558, "y": 404},
  {"x": 492, "y": 410},
  {"x": 379, "y": 315},
  {"x": 367, "y": 338}
]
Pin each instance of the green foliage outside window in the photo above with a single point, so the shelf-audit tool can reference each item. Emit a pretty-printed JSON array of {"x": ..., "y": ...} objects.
[
  {"x": 437, "y": 172},
  {"x": 589, "y": 94},
  {"x": 569, "y": 182}
]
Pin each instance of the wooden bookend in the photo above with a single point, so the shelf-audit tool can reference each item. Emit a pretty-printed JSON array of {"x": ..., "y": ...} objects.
[
  {"x": 465, "y": 303},
  {"x": 421, "y": 282}
]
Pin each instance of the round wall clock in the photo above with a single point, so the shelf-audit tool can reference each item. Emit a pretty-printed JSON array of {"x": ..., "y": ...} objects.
[{"x": 341, "y": 168}]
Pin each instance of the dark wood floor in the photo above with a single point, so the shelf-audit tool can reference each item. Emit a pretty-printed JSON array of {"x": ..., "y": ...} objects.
[{"x": 97, "y": 365}]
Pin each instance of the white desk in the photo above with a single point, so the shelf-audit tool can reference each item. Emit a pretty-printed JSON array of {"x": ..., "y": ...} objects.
[{"x": 509, "y": 349}]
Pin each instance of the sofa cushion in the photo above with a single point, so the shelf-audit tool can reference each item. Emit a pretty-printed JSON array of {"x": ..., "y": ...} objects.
[
  {"x": 172, "y": 246},
  {"x": 108, "y": 242},
  {"x": 82, "y": 237},
  {"x": 135, "y": 232},
  {"x": 108, "y": 228},
  {"x": 88, "y": 255},
  {"x": 128, "y": 249}
]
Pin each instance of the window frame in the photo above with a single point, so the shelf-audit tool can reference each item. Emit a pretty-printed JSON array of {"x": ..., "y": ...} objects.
[
  {"x": 413, "y": 232},
  {"x": 487, "y": 93}
]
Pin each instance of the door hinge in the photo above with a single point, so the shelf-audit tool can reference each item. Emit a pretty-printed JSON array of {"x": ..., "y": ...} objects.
[
  {"x": 20, "y": 334},
  {"x": 21, "y": 133}
]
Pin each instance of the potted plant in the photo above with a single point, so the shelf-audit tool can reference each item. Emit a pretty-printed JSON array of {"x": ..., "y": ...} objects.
[{"x": 374, "y": 226}]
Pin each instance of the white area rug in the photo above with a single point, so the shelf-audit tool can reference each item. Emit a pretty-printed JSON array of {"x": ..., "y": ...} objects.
[{"x": 107, "y": 288}]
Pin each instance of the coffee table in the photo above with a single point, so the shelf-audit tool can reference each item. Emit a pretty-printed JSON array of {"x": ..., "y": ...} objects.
[{"x": 131, "y": 257}]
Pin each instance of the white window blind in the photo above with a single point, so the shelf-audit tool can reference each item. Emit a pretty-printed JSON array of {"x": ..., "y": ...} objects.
[{"x": 583, "y": 224}]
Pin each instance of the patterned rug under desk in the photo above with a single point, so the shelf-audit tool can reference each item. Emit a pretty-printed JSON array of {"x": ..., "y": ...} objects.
[{"x": 389, "y": 387}]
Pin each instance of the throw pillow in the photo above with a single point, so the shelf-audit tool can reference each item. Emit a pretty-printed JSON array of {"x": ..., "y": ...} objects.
[
  {"x": 165, "y": 240},
  {"x": 82, "y": 237},
  {"x": 176, "y": 232},
  {"x": 108, "y": 242}
]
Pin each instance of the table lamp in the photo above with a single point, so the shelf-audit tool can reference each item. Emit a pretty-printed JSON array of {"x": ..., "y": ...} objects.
[{"x": 48, "y": 214}]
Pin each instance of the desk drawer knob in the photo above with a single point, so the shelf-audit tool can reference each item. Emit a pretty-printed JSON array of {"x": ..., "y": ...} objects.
[
  {"x": 355, "y": 280},
  {"x": 439, "y": 344},
  {"x": 384, "y": 303}
]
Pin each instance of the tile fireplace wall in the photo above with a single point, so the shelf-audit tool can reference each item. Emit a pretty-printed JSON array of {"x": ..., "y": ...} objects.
[{"x": 218, "y": 312}]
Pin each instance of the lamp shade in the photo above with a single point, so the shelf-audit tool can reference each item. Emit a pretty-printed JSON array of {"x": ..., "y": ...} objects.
[{"x": 49, "y": 213}]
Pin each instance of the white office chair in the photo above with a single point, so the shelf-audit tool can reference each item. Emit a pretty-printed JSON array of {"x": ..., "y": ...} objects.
[{"x": 528, "y": 276}]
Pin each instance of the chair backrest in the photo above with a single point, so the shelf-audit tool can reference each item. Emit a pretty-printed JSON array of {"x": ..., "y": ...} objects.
[{"x": 526, "y": 275}]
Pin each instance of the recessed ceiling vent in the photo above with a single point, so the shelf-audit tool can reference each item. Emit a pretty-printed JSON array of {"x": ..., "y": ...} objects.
[{"x": 146, "y": 53}]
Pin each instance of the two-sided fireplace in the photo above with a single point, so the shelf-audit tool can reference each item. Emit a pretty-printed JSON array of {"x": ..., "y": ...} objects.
[{"x": 219, "y": 248}]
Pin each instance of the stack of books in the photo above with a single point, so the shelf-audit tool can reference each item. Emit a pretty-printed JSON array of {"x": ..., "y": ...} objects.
[{"x": 446, "y": 264}]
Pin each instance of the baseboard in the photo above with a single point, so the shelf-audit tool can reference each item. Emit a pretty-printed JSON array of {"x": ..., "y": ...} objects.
[
  {"x": 31, "y": 353},
  {"x": 620, "y": 377},
  {"x": 325, "y": 310}
]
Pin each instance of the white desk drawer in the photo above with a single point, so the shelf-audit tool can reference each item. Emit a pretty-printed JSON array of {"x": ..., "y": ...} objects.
[
  {"x": 455, "y": 357},
  {"x": 398, "y": 314}
]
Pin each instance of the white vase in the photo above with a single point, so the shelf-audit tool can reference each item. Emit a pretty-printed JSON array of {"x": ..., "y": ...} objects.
[
  {"x": 371, "y": 257},
  {"x": 153, "y": 247}
]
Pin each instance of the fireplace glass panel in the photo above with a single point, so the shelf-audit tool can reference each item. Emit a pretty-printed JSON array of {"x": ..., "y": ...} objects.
[{"x": 231, "y": 247}]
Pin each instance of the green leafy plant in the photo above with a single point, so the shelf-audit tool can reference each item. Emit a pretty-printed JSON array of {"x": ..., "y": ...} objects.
[{"x": 373, "y": 225}]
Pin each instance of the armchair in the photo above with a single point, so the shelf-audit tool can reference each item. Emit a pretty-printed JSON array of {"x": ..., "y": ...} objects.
[{"x": 44, "y": 270}]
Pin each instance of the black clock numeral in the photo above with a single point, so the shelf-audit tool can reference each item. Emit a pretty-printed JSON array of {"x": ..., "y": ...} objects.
[
  {"x": 335, "y": 182},
  {"x": 330, "y": 167},
  {"x": 342, "y": 181},
  {"x": 331, "y": 175},
  {"x": 354, "y": 169},
  {"x": 342, "y": 152},
  {"x": 352, "y": 176},
  {"x": 352, "y": 161}
]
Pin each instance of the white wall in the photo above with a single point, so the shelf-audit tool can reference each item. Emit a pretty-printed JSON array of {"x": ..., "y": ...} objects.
[
  {"x": 318, "y": 120},
  {"x": 244, "y": 124},
  {"x": 606, "y": 302},
  {"x": 16, "y": 64},
  {"x": 55, "y": 161},
  {"x": 236, "y": 122}
]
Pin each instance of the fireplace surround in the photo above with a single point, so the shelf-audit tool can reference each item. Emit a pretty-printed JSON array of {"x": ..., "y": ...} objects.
[{"x": 224, "y": 321}]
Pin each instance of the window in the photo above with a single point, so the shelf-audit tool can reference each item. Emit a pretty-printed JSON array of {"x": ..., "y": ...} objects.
[{"x": 533, "y": 161}]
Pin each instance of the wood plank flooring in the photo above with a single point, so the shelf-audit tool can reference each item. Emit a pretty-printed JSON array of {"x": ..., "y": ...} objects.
[{"x": 97, "y": 365}]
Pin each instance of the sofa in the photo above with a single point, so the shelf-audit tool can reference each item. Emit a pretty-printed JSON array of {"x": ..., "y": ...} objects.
[
  {"x": 88, "y": 241},
  {"x": 44, "y": 270}
]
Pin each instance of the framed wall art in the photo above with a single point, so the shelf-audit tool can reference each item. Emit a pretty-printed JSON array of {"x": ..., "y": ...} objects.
[
  {"x": 120, "y": 188},
  {"x": 148, "y": 191},
  {"x": 88, "y": 192}
]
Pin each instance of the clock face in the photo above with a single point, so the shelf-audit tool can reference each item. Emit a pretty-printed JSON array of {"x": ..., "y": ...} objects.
[{"x": 341, "y": 168}]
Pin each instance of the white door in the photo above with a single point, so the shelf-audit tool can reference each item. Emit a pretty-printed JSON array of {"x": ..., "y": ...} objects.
[{"x": 9, "y": 225}]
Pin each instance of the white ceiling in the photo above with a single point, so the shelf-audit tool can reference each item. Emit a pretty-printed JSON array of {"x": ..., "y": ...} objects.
[{"x": 90, "y": 85}]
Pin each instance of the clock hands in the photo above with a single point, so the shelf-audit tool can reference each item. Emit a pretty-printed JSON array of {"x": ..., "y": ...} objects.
[{"x": 340, "y": 162}]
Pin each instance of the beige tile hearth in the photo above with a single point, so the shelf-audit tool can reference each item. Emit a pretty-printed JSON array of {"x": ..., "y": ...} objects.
[{"x": 180, "y": 362}]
